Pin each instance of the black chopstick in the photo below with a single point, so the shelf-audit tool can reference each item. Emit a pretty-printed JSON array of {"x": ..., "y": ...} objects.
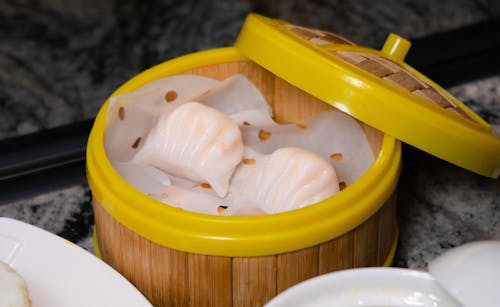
[{"x": 43, "y": 161}]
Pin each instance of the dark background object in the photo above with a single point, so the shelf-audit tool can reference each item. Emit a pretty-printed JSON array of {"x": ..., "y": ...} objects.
[
  {"x": 457, "y": 56},
  {"x": 43, "y": 161}
]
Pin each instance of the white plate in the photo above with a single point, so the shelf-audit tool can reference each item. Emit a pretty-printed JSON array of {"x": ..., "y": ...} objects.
[
  {"x": 389, "y": 287},
  {"x": 61, "y": 274}
]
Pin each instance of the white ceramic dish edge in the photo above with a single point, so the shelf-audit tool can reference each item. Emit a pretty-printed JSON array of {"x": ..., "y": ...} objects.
[{"x": 59, "y": 273}]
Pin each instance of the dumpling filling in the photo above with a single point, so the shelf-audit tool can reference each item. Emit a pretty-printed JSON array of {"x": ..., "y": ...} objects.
[{"x": 213, "y": 147}]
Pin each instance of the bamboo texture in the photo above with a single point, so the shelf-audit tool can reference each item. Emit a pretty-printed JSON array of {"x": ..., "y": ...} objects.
[{"x": 169, "y": 277}]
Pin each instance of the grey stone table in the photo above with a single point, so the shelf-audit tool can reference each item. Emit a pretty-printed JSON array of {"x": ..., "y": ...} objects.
[{"x": 59, "y": 61}]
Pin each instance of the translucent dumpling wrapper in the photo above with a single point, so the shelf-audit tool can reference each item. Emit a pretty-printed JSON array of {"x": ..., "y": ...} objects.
[
  {"x": 194, "y": 199},
  {"x": 131, "y": 116},
  {"x": 289, "y": 178},
  {"x": 144, "y": 177},
  {"x": 195, "y": 142},
  {"x": 333, "y": 135}
]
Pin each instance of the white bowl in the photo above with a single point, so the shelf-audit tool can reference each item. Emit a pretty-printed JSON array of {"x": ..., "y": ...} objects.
[
  {"x": 468, "y": 275},
  {"x": 389, "y": 287}
]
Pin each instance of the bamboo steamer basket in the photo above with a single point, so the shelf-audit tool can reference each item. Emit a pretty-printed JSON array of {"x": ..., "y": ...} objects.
[{"x": 180, "y": 258}]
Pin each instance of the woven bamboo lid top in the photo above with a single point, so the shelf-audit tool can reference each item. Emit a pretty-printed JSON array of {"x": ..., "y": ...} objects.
[{"x": 376, "y": 87}]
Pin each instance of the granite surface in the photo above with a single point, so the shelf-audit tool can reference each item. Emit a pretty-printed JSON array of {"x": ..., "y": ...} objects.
[{"x": 60, "y": 59}]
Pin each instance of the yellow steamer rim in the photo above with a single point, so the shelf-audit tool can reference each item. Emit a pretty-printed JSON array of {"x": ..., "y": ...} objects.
[
  {"x": 376, "y": 87},
  {"x": 234, "y": 235}
]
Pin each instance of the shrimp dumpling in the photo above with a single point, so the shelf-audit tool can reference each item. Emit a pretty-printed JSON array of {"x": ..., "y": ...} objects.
[
  {"x": 289, "y": 178},
  {"x": 195, "y": 142}
]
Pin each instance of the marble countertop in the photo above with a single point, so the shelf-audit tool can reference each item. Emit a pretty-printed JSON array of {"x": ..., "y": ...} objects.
[{"x": 59, "y": 62}]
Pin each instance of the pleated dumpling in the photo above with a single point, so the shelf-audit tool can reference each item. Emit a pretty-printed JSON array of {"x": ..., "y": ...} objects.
[
  {"x": 287, "y": 179},
  {"x": 195, "y": 142}
]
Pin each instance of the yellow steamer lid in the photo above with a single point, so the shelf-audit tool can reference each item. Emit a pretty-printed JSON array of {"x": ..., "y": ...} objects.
[{"x": 376, "y": 87}]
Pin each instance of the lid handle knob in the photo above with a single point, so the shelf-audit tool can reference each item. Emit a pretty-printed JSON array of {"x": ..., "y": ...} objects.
[{"x": 396, "y": 47}]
